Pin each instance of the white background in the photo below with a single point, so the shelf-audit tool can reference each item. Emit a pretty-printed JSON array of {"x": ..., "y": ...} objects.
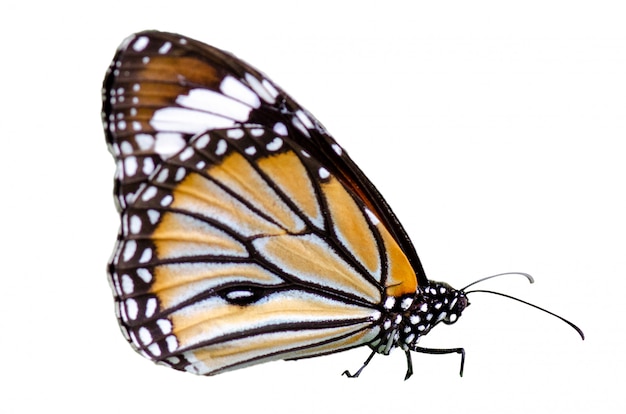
[{"x": 495, "y": 131}]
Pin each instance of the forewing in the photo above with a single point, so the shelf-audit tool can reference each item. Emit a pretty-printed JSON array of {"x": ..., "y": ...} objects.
[{"x": 163, "y": 88}]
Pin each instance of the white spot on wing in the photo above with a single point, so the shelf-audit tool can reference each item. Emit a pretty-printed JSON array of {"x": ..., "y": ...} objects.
[
  {"x": 151, "y": 306},
  {"x": 129, "y": 250},
  {"x": 216, "y": 103},
  {"x": 127, "y": 284},
  {"x": 186, "y": 154},
  {"x": 280, "y": 128},
  {"x": 304, "y": 119},
  {"x": 135, "y": 224},
  {"x": 259, "y": 89},
  {"x": 168, "y": 144},
  {"x": 165, "y": 48},
  {"x": 203, "y": 141},
  {"x": 257, "y": 132},
  {"x": 148, "y": 166},
  {"x": 298, "y": 124},
  {"x": 149, "y": 193},
  {"x": 144, "y": 274},
  {"x": 162, "y": 176},
  {"x": 180, "y": 174},
  {"x": 126, "y": 148},
  {"x": 270, "y": 88},
  {"x": 131, "y": 308},
  {"x": 238, "y": 294},
  {"x": 371, "y": 216},
  {"x": 172, "y": 343},
  {"x": 153, "y": 216},
  {"x": 130, "y": 166},
  {"x": 154, "y": 350},
  {"x": 144, "y": 335},
  {"x": 166, "y": 200},
  {"x": 141, "y": 43},
  {"x": 221, "y": 147},
  {"x": 187, "y": 120},
  {"x": 275, "y": 144},
  {"x": 235, "y": 89},
  {"x": 146, "y": 256},
  {"x": 235, "y": 133},
  {"x": 165, "y": 326}
]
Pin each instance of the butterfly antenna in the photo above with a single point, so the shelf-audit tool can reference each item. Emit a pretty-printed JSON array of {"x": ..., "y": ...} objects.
[
  {"x": 580, "y": 332},
  {"x": 526, "y": 275}
]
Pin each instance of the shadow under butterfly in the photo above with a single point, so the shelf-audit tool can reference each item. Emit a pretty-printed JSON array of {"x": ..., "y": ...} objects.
[{"x": 247, "y": 233}]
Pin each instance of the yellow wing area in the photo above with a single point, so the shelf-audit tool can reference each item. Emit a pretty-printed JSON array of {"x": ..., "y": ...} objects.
[
  {"x": 401, "y": 278},
  {"x": 210, "y": 319},
  {"x": 351, "y": 226},
  {"x": 236, "y": 173},
  {"x": 295, "y": 183},
  {"x": 253, "y": 350},
  {"x": 199, "y": 195}
]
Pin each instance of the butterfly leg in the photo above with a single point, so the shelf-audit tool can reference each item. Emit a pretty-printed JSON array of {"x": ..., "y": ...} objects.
[
  {"x": 356, "y": 374},
  {"x": 409, "y": 365},
  {"x": 436, "y": 351}
]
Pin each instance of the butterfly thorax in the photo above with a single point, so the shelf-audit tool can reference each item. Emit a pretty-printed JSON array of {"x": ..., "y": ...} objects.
[{"x": 410, "y": 317}]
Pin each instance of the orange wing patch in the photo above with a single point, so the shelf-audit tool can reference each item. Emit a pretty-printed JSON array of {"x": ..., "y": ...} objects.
[
  {"x": 291, "y": 177},
  {"x": 351, "y": 226},
  {"x": 236, "y": 173},
  {"x": 180, "y": 235},
  {"x": 200, "y": 195},
  {"x": 401, "y": 279},
  {"x": 311, "y": 259}
]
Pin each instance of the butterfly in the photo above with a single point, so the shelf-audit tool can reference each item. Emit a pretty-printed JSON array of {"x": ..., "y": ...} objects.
[{"x": 247, "y": 232}]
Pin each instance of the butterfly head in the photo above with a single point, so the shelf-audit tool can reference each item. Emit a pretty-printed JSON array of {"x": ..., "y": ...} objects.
[
  {"x": 433, "y": 303},
  {"x": 457, "y": 302}
]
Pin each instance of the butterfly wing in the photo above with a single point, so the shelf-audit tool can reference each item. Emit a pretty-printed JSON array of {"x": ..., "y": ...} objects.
[{"x": 247, "y": 233}]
